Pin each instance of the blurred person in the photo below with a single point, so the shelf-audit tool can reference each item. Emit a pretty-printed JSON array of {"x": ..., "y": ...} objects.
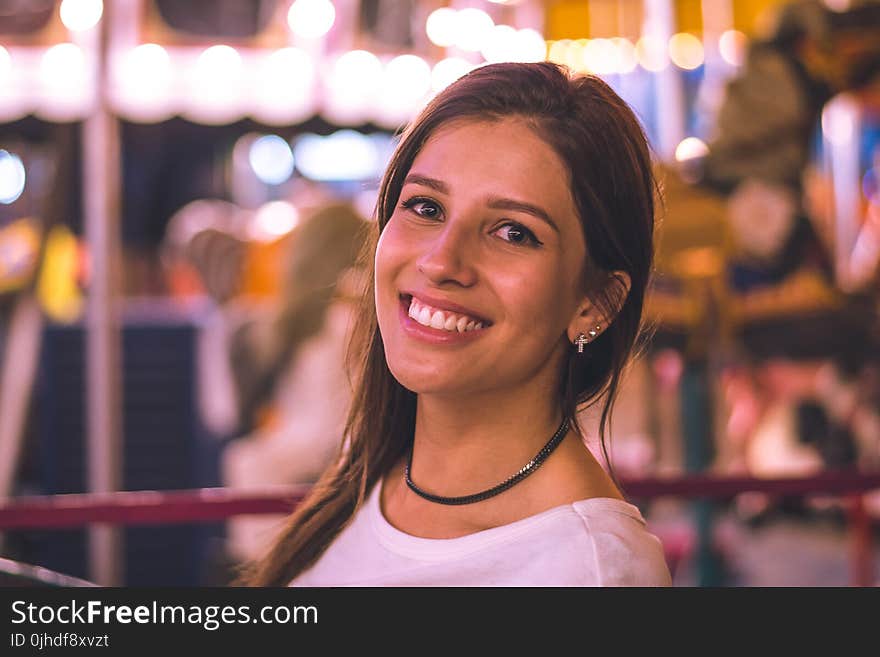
[
  {"x": 291, "y": 386},
  {"x": 511, "y": 253}
]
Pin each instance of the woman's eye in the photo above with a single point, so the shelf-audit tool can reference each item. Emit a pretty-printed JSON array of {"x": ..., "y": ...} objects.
[
  {"x": 518, "y": 234},
  {"x": 423, "y": 207}
]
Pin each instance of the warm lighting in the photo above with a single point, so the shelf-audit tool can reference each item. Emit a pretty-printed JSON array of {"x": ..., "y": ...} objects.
[
  {"x": 351, "y": 86},
  {"x": 626, "y": 57},
  {"x": 472, "y": 27},
  {"x": 407, "y": 82},
  {"x": 574, "y": 56},
  {"x": 215, "y": 89},
  {"x": 685, "y": 51},
  {"x": 652, "y": 55},
  {"x": 283, "y": 88},
  {"x": 81, "y": 15},
  {"x": 500, "y": 44},
  {"x": 66, "y": 85},
  {"x": 690, "y": 148},
  {"x": 273, "y": 220},
  {"x": 529, "y": 46},
  {"x": 143, "y": 83},
  {"x": 441, "y": 26},
  {"x": 311, "y": 19},
  {"x": 218, "y": 62},
  {"x": 447, "y": 71},
  {"x": 600, "y": 56},
  {"x": 271, "y": 159},
  {"x": 12, "y": 177},
  {"x": 63, "y": 65},
  {"x": 558, "y": 51},
  {"x": 732, "y": 47}
]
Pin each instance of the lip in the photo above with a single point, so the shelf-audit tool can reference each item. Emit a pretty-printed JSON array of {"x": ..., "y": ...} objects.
[{"x": 434, "y": 336}]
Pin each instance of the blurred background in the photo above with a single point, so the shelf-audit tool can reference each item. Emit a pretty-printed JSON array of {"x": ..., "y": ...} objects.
[{"x": 183, "y": 189}]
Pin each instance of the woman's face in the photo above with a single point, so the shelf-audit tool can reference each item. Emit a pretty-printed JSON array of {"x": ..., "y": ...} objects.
[{"x": 479, "y": 269}]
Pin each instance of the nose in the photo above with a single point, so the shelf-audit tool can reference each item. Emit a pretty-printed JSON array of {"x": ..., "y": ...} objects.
[{"x": 448, "y": 257}]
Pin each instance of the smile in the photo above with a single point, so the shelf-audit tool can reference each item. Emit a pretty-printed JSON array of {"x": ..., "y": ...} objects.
[{"x": 445, "y": 320}]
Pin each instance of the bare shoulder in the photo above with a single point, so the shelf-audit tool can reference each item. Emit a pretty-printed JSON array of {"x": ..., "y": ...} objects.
[{"x": 576, "y": 475}]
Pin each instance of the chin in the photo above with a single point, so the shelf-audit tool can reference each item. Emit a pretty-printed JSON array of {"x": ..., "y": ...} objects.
[{"x": 427, "y": 379}]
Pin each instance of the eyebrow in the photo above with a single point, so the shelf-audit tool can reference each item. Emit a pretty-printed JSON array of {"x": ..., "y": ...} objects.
[{"x": 496, "y": 203}]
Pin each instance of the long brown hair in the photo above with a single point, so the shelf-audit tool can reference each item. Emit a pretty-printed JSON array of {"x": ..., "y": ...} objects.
[{"x": 604, "y": 147}]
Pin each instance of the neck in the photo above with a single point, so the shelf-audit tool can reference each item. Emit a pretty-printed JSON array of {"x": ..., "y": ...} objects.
[{"x": 462, "y": 446}]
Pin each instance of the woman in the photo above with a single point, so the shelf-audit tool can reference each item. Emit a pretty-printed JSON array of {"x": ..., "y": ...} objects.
[{"x": 515, "y": 227}]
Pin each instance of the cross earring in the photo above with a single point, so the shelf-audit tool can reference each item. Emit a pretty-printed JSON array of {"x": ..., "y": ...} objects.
[{"x": 582, "y": 338}]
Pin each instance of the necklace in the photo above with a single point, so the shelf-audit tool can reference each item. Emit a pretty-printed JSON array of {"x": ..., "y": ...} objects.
[{"x": 521, "y": 474}]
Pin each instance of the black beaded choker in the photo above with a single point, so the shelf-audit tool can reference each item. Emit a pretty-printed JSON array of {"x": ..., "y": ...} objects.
[{"x": 523, "y": 472}]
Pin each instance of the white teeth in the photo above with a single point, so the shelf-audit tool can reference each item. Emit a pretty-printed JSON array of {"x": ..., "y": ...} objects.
[{"x": 438, "y": 319}]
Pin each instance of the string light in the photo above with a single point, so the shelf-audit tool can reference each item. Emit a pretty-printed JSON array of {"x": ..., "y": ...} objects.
[
  {"x": 81, "y": 15},
  {"x": 311, "y": 19}
]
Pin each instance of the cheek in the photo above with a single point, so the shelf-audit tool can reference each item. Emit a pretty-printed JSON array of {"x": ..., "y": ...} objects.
[{"x": 390, "y": 258}]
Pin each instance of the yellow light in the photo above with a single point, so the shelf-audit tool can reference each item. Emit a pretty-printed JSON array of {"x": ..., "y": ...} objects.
[
  {"x": 575, "y": 55},
  {"x": 558, "y": 51},
  {"x": 627, "y": 58},
  {"x": 81, "y": 15},
  {"x": 652, "y": 55},
  {"x": 685, "y": 51},
  {"x": 600, "y": 56}
]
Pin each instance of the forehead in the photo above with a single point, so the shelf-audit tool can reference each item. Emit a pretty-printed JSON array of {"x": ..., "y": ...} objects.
[{"x": 505, "y": 157}]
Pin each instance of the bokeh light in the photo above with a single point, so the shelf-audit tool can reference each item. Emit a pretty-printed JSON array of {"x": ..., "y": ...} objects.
[
  {"x": 12, "y": 177},
  {"x": 345, "y": 155},
  {"x": 441, "y": 26},
  {"x": 351, "y": 87},
  {"x": 406, "y": 85},
  {"x": 732, "y": 46},
  {"x": 652, "y": 54},
  {"x": 284, "y": 87},
  {"x": 472, "y": 29},
  {"x": 686, "y": 51},
  {"x": 627, "y": 58},
  {"x": 143, "y": 83},
  {"x": 311, "y": 19},
  {"x": 447, "y": 71},
  {"x": 690, "y": 148},
  {"x": 273, "y": 220},
  {"x": 271, "y": 159},
  {"x": 600, "y": 56},
  {"x": 81, "y": 15}
]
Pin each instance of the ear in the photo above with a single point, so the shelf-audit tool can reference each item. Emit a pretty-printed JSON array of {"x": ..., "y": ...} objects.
[{"x": 591, "y": 317}]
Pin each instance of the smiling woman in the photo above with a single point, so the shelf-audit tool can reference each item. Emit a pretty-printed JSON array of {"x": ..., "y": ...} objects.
[{"x": 514, "y": 245}]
